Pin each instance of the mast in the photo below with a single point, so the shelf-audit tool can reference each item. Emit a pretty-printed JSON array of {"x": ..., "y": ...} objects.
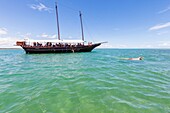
[
  {"x": 81, "y": 25},
  {"x": 57, "y": 21}
]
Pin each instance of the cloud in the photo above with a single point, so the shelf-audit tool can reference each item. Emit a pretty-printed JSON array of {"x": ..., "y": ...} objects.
[
  {"x": 5, "y": 40},
  {"x": 163, "y": 32},
  {"x": 44, "y": 35},
  {"x": 164, "y": 10},
  {"x": 161, "y": 26},
  {"x": 24, "y": 36},
  {"x": 3, "y": 31},
  {"x": 40, "y": 7},
  {"x": 164, "y": 44},
  {"x": 108, "y": 45},
  {"x": 8, "y": 42}
]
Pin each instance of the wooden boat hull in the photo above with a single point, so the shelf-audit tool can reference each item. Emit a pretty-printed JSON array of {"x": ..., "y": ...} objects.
[{"x": 37, "y": 49}]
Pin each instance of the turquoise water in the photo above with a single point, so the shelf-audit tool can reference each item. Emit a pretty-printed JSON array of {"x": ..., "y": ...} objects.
[{"x": 96, "y": 82}]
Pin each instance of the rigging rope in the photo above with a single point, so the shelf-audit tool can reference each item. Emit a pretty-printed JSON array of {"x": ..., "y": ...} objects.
[
  {"x": 85, "y": 25},
  {"x": 77, "y": 11}
]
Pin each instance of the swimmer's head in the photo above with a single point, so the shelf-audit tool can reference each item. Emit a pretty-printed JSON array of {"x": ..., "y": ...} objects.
[{"x": 140, "y": 58}]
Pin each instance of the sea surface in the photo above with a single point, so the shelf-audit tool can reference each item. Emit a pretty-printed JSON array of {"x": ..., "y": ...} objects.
[{"x": 96, "y": 82}]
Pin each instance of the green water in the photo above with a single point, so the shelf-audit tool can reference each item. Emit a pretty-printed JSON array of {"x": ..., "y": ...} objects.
[{"x": 96, "y": 82}]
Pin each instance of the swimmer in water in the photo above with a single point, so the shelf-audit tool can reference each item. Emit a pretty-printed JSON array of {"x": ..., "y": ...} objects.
[{"x": 139, "y": 58}]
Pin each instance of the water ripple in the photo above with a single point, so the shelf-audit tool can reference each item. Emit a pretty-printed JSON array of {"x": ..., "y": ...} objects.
[{"x": 96, "y": 82}]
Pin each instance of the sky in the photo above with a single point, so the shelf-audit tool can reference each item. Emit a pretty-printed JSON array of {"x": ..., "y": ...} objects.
[{"x": 122, "y": 23}]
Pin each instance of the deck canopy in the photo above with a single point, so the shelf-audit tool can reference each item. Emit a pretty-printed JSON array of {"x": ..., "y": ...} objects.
[{"x": 56, "y": 41}]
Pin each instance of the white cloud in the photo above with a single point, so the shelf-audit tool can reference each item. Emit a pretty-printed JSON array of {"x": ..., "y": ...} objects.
[
  {"x": 5, "y": 40},
  {"x": 164, "y": 10},
  {"x": 40, "y": 7},
  {"x": 3, "y": 31},
  {"x": 24, "y": 36},
  {"x": 147, "y": 46},
  {"x": 8, "y": 42},
  {"x": 54, "y": 36},
  {"x": 160, "y": 26},
  {"x": 44, "y": 35},
  {"x": 163, "y": 32},
  {"x": 70, "y": 37},
  {"x": 108, "y": 45},
  {"x": 27, "y": 35},
  {"x": 164, "y": 44}
]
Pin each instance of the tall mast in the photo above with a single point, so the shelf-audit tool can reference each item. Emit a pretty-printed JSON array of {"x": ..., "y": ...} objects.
[
  {"x": 81, "y": 26},
  {"x": 57, "y": 21}
]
